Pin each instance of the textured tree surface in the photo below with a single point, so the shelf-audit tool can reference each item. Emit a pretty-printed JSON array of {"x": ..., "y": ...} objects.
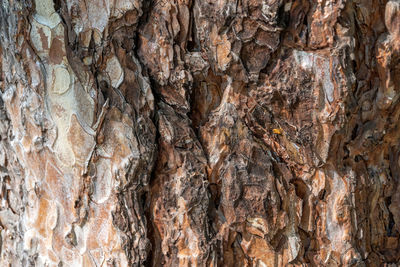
[{"x": 199, "y": 133}]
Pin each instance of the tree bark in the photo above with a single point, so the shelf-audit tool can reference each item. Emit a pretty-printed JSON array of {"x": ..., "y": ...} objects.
[{"x": 199, "y": 133}]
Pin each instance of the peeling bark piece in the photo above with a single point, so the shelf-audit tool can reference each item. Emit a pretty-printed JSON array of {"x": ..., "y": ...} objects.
[
  {"x": 115, "y": 72},
  {"x": 82, "y": 143},
  {"x": 392, "y": 20},
  {"x": 61, "y": 80}
]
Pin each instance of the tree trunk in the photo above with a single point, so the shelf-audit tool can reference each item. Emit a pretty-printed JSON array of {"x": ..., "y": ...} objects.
[{"x": 200, "y": 133}]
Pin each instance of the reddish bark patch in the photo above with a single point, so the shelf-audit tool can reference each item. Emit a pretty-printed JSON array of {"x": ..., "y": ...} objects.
[
  {"x": 43, "y": 37},
  {"x": 56, "y": 51}
]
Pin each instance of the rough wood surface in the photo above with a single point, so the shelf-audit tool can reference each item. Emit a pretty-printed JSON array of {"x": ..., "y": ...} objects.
[{"x": 199, "y": 133}]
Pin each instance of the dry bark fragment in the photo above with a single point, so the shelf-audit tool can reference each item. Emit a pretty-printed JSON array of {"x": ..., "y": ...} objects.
[{"x": 199, "y": 133}]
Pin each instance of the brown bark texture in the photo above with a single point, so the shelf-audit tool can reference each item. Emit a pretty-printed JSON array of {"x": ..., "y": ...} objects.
[{"x": 199, "y": 133}]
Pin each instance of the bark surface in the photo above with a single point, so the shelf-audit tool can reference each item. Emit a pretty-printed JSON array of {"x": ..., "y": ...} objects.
[{"x": 199, "y": 133}]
